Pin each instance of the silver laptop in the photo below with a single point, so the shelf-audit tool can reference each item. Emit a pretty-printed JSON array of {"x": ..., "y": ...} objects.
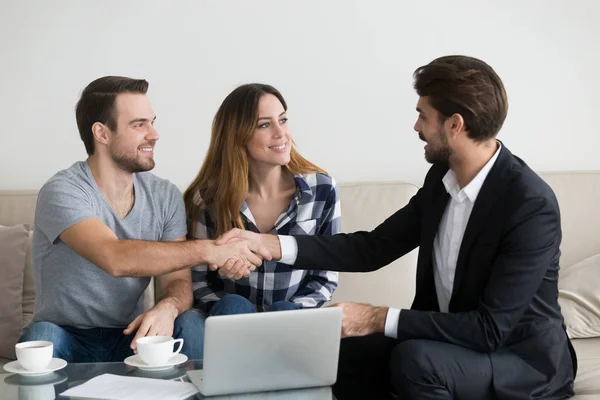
[{"x": 269, "y": 351}]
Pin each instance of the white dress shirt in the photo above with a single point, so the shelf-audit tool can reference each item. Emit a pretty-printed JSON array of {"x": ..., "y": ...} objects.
[{"x": 446, "y": 245}]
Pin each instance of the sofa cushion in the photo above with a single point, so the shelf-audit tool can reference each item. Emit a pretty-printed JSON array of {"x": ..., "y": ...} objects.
[
  {"x": 364, "y": 206},
  {"x": 28, "y": 286},
  {"x": 13, "y": 247},
  {"x": 579, "y": 298},
  {"x": 587, "y": 383}
]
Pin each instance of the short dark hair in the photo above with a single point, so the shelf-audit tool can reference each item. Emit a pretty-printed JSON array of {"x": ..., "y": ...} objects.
[
  {"x": 466, "y": 86},
  {"x": 97, "y": 104}
]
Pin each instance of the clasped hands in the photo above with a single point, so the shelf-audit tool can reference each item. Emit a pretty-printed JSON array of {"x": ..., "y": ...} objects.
[
  {"x": 237, "y": 253},
  {"x": 240, "y": 252}
]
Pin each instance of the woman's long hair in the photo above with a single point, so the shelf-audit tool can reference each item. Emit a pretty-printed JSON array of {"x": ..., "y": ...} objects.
[{"x": 221, "y": 186}]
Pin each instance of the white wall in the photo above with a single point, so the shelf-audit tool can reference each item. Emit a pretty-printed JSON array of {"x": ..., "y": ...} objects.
[{"x": 344, "y": 67}]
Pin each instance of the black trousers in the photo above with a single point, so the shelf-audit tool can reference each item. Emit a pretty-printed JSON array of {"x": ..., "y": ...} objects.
[{"x": 374, "y": 366}]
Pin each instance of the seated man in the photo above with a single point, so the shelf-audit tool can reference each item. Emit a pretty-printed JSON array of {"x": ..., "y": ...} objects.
[
  {"x": 485, "y": 322},
  {"x": 98, "y": 238}
]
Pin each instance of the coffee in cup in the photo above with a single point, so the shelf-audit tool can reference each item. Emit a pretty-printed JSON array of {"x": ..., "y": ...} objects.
[
  {"x": 156, "y": 350},
  {"x": 34, "y": 356}
]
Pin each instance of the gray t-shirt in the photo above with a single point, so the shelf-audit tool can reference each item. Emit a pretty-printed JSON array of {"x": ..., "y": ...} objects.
[{"x": 72, "y": 291}]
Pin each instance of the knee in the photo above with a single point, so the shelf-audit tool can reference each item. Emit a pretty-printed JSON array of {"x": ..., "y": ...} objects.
[
  {"x": 232, "y": 304},
  {"x": 284, "y": 306},
  {"x": 43, "y": 331},
  {"x": 190, "y": 322},
  {"x": 49, "y": 332},
  {"x": 189, "y": 326},
  {"x": 412, "y": 358}
]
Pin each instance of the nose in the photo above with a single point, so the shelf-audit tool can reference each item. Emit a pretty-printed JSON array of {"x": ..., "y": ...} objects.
[
  {"x": 278, "y": 132},
  {"x": 416, "y": 127},
  {"x": 152, "y": 134}
]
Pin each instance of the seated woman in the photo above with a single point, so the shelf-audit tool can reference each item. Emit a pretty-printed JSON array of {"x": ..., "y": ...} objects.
[{"x": 253, "y": 178}]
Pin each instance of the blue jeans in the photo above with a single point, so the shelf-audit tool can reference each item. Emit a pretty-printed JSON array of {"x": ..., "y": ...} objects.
[
  {"x": 236, "y": 304},
  {"x": 110, "y": 344}
]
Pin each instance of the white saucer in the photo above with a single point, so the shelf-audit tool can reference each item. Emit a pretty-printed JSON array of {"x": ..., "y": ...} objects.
[
  {"x": 16, "y": 368},
  {"x": 136, "y": 361}
]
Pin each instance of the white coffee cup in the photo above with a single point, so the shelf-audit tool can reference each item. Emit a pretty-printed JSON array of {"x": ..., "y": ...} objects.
[
  {"x": 156, "y": 350},
  {"x": 34, "y": 356}
]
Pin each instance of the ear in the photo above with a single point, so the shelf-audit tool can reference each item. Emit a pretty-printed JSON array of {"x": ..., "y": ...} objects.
[
  {"x": 100, "y": 132},
  {"x": 456, "y": 125}
]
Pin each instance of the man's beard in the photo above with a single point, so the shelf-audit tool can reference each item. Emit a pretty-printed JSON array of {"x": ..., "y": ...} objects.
[
  {"x": 441, "y": 152},
  {"x": 130, "y": 162}
]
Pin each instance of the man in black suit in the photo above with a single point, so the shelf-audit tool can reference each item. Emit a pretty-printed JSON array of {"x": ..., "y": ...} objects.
[{"x": 485, "y": 322}]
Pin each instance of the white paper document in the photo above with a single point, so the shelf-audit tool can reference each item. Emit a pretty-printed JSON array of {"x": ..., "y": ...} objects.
[{"x": 115, "y": 387}]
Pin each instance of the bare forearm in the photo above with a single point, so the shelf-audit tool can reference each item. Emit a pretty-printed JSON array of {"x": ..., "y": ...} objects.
[
  {"x": 177, "y": 295},
  {"x": 378, "y": 318},
  {"x": 145, "y": 258}
]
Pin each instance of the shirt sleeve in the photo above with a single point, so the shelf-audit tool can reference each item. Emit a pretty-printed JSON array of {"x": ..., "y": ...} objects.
[
  {"x": 320, "y": 285},
  {"x": 175, "y": 219},
  {"x": 289, "y": 249},
  {"x": 391, "y": 323},
  {"x": 62, "y": 203}
]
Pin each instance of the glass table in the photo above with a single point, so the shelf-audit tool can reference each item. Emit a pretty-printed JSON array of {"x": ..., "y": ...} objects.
[{"x": 47, "y": 387}]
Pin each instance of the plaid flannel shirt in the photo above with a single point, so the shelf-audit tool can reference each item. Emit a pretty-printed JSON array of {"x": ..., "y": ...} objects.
[{"x": 314, "y": 210}]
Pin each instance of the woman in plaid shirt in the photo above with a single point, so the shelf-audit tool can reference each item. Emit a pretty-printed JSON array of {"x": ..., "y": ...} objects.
[{"x": 253, "y": 178}]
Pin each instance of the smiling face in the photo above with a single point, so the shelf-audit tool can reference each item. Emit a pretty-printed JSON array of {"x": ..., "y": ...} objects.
[
  {"x": 131, "y": 146},
  {"x": 271, "y": 141},
  {"x": 432, "y": 130}
]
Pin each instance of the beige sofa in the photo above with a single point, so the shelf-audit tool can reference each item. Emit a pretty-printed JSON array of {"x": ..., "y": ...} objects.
[{"x": 363, "y": 207}]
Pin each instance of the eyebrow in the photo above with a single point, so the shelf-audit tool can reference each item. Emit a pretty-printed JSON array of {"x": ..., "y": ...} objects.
[
  {"x": 270, "y": 117},
  {"x": 142, "y": 120}
]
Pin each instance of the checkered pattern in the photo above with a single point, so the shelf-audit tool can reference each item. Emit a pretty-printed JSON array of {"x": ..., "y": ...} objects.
[{"x": 314, "y": 210}]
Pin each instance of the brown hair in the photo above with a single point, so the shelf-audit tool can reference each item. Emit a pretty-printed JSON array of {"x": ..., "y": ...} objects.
[
  {"x": 466, "y": 86},
  {"x": 222, "y": 183},
  {"x": 97, "y": 104}
]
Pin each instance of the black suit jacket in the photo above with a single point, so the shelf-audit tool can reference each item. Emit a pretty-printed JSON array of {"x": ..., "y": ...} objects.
[{"x": 505, "y": 296}]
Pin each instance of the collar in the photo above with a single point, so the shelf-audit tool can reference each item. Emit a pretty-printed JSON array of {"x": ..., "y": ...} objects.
[{"x": 472, "y": 189}]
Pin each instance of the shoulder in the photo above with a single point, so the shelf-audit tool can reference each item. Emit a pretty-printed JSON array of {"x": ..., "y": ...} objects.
[
  {"x": 72, "y": 181},
  {"x": 157, "y": 186},
  {"x": 317, "y": 186},
  {"x": 199, "y": 212},
  {"x": 315, "y": 182},
  {"x": 200, "y": 221},
  {"x": 526, "y": 185}
]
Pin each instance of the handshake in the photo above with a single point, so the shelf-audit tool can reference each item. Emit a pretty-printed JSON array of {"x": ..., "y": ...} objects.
[{"x": 237, "y": 253}]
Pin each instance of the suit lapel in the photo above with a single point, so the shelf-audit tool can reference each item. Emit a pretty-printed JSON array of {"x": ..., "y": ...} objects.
[{"x": 494, "y": 185}]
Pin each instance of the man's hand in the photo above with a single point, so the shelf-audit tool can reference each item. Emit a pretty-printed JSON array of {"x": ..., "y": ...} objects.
[
  {"x": 236, "y": 233},
  {"x": 260, "y": 243},
  {"x": 361, "y": 319},
  {"x": 157, "y": 321},
  {"x": 237, "y": 257}
]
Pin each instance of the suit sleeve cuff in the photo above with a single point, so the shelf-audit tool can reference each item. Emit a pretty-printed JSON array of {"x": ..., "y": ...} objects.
[
  {"x": 391, "y": 323},
  {"x": 289, "y": 249}
]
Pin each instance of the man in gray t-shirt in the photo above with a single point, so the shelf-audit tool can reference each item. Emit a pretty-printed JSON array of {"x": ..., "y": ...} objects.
[
  {"x": 101, "y": 233},
  {"x": 71, "y": 290}
]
